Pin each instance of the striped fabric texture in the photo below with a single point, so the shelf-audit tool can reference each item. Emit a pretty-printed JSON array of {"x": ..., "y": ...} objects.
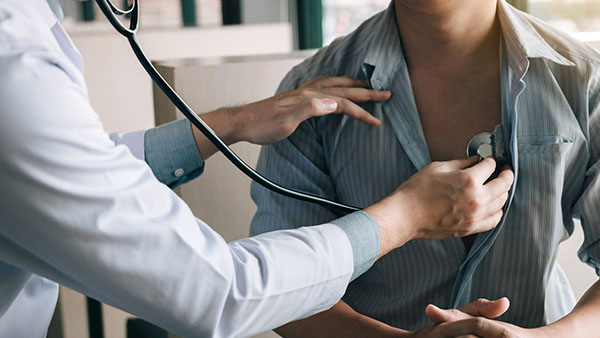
[{"x": 551, "y": 116}]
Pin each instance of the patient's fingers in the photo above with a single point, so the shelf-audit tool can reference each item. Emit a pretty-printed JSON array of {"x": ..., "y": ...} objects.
[
  {"x": 437, "y": 315},
  {"x": 487, "y": 308},
  {"x": 478, "y": 326},
  {"x": 334, "y": 81},
  {"x": 357, "y": 94},
  {"x": 479, "y": 308}
]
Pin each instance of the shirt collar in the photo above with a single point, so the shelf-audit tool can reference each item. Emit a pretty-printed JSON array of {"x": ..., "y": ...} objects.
[
  {"x": 385, "y": 48},
  {"x": 522, "y": 40}
]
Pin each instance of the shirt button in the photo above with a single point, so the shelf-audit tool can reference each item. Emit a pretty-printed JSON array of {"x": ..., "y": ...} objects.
[{"x": 179, "y": 172}]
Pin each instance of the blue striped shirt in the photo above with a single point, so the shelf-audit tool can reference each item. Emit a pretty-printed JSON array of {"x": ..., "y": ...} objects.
[{"x": 551, "y": 114}]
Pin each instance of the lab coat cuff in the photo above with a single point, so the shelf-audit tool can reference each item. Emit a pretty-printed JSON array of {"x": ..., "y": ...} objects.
[
  {"x": 171, "y": 152},
  {"x": 134, "y": 141},
  {"x": 363, "y": 233}
]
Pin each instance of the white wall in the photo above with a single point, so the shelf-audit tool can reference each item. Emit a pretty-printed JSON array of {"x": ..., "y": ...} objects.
[{"x": 120, "y": 90}]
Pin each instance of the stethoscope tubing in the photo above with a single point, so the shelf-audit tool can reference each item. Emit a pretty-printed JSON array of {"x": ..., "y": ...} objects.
[{"x": 111, "y": 12}]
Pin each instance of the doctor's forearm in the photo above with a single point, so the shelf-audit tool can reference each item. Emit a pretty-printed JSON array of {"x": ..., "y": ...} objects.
[
  {"x": 225, "y": 123},
  {"x": 582, "y": 321}
]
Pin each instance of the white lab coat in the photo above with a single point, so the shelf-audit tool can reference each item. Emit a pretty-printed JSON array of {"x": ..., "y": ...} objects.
[{"x": 79, "y": 210}]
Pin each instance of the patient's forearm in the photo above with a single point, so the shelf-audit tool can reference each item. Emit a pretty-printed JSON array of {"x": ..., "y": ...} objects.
[
  {"x": 339, "y": 321},
  {"x": 583, "y": 320}
]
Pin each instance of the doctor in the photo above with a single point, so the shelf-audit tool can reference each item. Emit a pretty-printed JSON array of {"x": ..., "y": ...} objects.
[{"x": 94, "y": 211}]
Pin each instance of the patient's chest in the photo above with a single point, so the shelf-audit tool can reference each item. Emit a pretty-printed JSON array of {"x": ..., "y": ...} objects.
[
  {"x": 453, "y": 111},
  {"x": 366, "y": 164}
]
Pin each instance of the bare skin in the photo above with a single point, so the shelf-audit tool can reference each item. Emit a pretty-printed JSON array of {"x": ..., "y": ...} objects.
[{"x": 457, "y": 96}]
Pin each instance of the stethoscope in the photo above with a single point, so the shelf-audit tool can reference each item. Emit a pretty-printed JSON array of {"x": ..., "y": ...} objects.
[
  {"x": 482, "y": 145},
  {"x": 111, "y": 12},
  {"x": 492, "y": 144}
]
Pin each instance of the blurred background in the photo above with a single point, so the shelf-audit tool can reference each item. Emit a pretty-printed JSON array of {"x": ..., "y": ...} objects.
[
  {"x": 207, "y": 33},
  {"x": 316, "y": 22}
]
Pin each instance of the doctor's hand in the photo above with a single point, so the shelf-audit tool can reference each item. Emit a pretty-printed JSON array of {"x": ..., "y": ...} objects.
[
  {"x": 445, "y": 199},
  {"x": 277, "y": 117}
]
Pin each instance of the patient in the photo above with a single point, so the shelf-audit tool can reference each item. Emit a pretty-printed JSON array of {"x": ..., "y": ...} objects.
[{"x": 455, "y": 69}]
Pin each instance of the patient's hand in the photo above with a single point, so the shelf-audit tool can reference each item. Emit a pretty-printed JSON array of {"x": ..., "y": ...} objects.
[
  {"x": 456, "y": 323},
  {"x": 467, "y": 323},
  {"x": 342, "y": 321}
]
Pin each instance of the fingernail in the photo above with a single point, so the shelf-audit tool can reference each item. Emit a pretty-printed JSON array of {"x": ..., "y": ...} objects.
[{"x": 330, "y": 105}]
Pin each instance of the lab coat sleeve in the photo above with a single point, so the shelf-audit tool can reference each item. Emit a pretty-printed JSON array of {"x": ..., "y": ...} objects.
[
  {"x": 587, "y": 208},
  {"x": 84, "y": 212}
]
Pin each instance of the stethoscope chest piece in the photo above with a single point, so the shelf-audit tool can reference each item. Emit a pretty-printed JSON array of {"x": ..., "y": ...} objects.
[
  {"x": 487, "y": 144},
  {"x": 480, "y": 145}
]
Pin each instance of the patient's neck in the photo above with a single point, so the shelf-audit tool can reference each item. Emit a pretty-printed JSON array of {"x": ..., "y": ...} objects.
[{"x": 448, "y": 35}]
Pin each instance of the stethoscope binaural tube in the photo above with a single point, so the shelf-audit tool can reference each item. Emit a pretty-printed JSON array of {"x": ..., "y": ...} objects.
[{"x": 111, "y": 12}]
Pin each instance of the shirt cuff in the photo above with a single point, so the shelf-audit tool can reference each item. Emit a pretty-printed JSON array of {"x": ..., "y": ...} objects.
[
  {"x": 171, "y": 152},
  {"x": 363, "y": 233}
]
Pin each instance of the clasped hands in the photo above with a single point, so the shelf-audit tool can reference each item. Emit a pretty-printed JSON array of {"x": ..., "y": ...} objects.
[{"x": 473, "y": 320}]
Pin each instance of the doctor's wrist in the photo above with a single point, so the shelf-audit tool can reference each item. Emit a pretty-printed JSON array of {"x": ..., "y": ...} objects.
[
  {"x": 393, "y": 222},
  {"x": 225, "y": 123}
]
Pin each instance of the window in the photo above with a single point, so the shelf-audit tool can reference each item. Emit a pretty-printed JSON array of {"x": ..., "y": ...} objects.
[
  {"x": 569, "y": 15},
  {"x": 579, "y": 17},
  {"x": 343, "y": 16}
]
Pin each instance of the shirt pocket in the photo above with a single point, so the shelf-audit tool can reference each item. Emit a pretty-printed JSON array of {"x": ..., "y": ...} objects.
[
  {"x": 543, "y": 144},
  {"x": 536, "y": 210}
]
